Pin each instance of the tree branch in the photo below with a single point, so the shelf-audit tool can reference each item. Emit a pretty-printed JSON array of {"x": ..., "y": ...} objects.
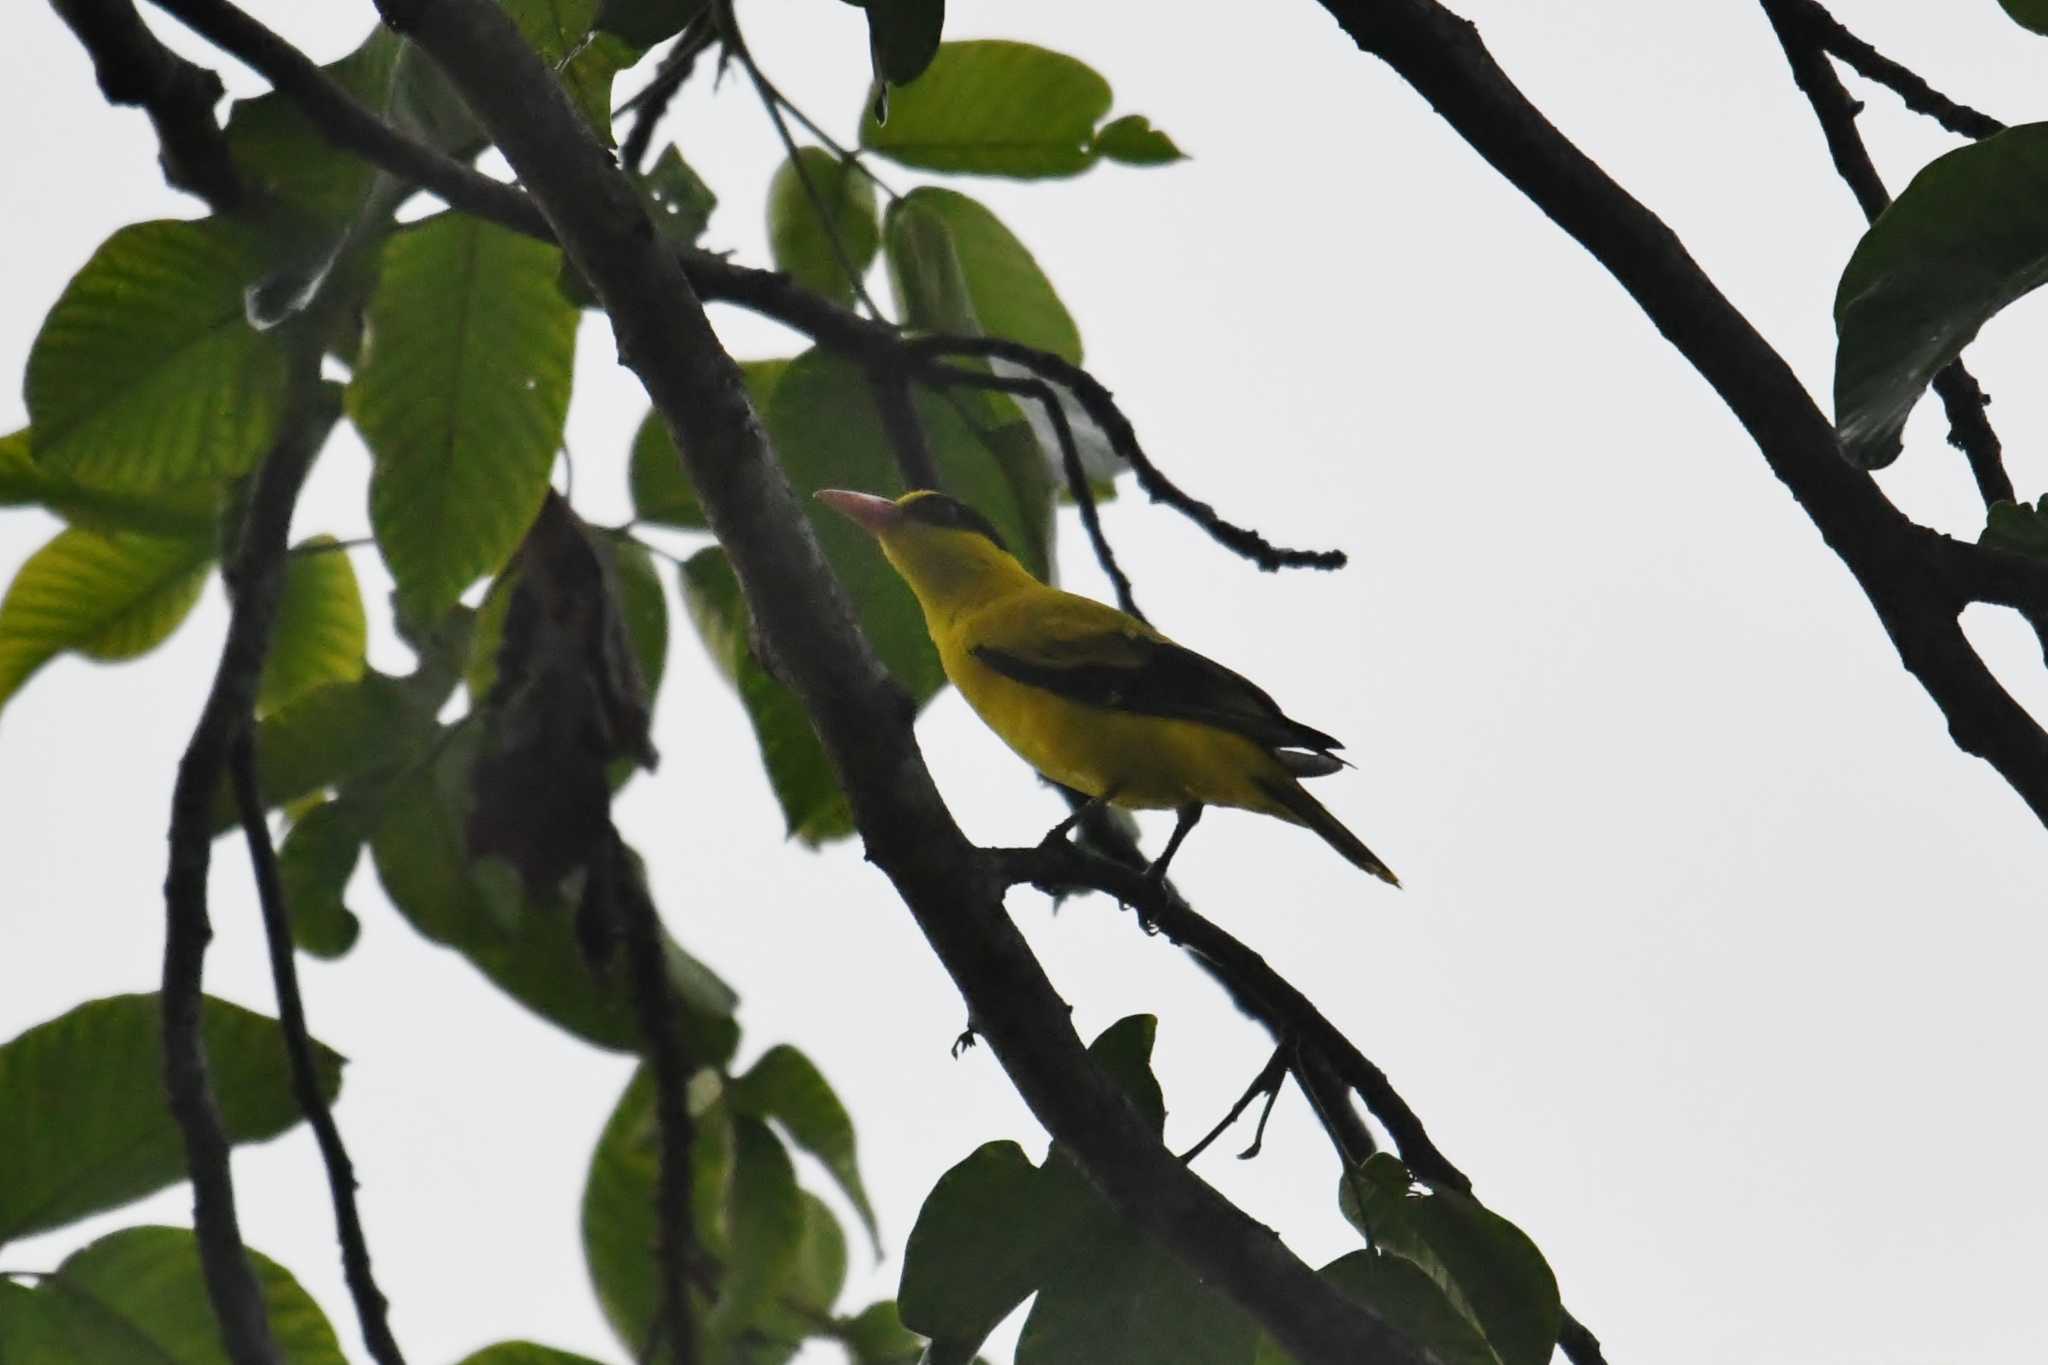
[
  {"x": 255, "y": 577},
  {"x": 1441, "y": 56},
  {"x": 862, "y": 719},
  {"x": 944, "y": 376},
  {"x": 291, "y": 1010},
  {"x": 1799, "y": 25},
  {"x": 1867, "y": 62},
  {"x": 655, "y": 1002},
  {"x": 133, "y": 68}
]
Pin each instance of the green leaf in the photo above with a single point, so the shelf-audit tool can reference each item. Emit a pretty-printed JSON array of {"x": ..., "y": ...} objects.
[
  {"x": 1116, "y": 1298},
  {"x": 2031, "y": 14},
  {"x": 877, "y": 1336},
  {"x": 337, "y": 734},
  {"x": 523, "y": 1353},
  {"x": 682, "y": 202},
  {"x": 642, "y": 604},
  {"x": 108, "y": 597},
  {"x": 1006, "y": 294},
  {"x": 801, "y": 1306},
  {"x": 314, "y": 862},
  {"x": 984, "y": 1241},
  {"x": 765, "y": 1218},
  {"x": 661, "y": 488},
  {"x": 530, "y": 951},
  {"x": 1485, "y": 1266},
  {"x": 903, "y": 37},
  {"x": 2018, "y": 527},
  {"x": 146, "y": 373},
  {"x": 805, "y": 786},
  {"x": 321, "y": 631},
  {"x": 585, "y": 61},
  {"x": 1955, "y": 248},
  {"x": 992, "y": 107},
  {"x": 82, "y": 1120},
  {"x": 1408, "y": 1301},
  {"x": 660, "y": 485},
  {"x": 643, "y": 23},
  {"x": 1134, "y": 141},
  {"x": 802, "y": 238},
  {"x": 138, "y": 1297},
  {"x": 183, "y": 511},
  {"x": 1124, "y": 1051},
  {"x": 785, "y": 1086},
  {"x": 461, "y": 398},
  {"x": 828, "y": 432}
]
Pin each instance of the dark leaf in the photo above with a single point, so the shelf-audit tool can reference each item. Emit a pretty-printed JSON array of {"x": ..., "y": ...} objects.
[
  {"x": 643, "y": 23},
  {"x": 903, "y": 37},
  {"x": 1952, "y": 251},
  {"x": 1486, "y": 1267},
  {"x": 682, "y": 202},
  {"x": 1134, "y": 141}
]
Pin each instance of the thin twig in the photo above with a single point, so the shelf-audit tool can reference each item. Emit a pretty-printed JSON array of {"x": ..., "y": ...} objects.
[
  {"x": 828, "y": 215},
  {"x": 370, "y": 1303},
  {"x": 1076, "y": 474},
  {"x": 898, "y": 408},
  {"x": 255, "y": 581},
  {"x": 651, "y": 103},
  {"x": 1915, "y": 93},
  {"x": 1123, "y": 439},
  {"x": 1268, "y": 1082}
]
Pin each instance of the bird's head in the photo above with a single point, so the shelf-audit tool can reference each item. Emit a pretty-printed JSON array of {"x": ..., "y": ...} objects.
[{"x": 943, "y": 548}]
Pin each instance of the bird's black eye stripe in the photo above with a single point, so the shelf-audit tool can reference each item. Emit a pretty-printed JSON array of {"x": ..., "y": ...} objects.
[{"x": 937, "y": 509}]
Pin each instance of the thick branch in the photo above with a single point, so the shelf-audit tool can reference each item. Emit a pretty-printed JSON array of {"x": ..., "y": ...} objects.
[
  {"x": 255, "y": 580},
  {"x": 1441, "y": 55},
  {"x": 291, "y": 1012},
  {"x": 862, "y": 719},
  {"x": 134, "y": 68}
]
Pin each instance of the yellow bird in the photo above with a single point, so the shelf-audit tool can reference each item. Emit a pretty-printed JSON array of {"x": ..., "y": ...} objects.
[{"x": 1092, "y": 697}]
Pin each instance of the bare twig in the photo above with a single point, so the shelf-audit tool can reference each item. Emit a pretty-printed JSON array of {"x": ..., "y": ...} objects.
[
  {"x": 255, "y": 581},
  {"x": 291, "y": 1011},
  {"x": 898, "y": 408},
  {"x": 1076, "y": 474},
  {"x": 1268, "y": 1082},
  {"x": 1097, "y": 402},
  {"x": 1872, "y": 65},
  {"x": 652, "y": 100}
]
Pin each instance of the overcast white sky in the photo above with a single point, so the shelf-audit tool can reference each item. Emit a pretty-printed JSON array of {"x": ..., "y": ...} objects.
[{"x": 1718, "y": 966}]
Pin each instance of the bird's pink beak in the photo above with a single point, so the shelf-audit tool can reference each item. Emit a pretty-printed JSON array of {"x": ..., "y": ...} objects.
[{"x": 874, "y": 514}]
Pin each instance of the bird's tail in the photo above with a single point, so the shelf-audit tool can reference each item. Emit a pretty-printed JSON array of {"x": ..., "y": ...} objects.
[{"x": 1293, "y": 803}]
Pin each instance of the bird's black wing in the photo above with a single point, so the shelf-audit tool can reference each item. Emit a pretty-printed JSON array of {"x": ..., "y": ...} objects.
[{"x": 1127, "y": 671}]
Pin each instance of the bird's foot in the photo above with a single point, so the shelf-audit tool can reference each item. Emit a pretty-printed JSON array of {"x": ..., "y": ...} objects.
[{"x": 967, "y": 1039}]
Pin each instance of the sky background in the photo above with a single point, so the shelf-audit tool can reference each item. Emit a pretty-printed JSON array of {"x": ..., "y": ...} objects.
[{"x": 1717, "y": 967}]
